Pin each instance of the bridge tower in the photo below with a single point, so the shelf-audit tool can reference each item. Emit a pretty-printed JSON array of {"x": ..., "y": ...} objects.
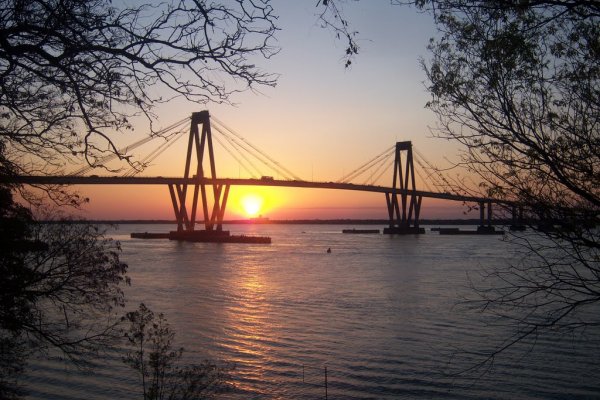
[
  {"x": 404, "y": 213},
  {"x": 200, "y": 143}
]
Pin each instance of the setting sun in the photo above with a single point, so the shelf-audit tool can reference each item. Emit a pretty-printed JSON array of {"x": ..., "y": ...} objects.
[{"x": 251, "y": 204}]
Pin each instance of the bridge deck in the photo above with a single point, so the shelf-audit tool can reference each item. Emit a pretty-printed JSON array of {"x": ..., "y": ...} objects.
[{"x": 159, "y": 180}]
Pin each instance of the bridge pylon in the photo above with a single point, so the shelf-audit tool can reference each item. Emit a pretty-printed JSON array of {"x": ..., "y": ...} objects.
[
  {"x": 199, "y": 143},
  {"x": 404, "y": 206}
]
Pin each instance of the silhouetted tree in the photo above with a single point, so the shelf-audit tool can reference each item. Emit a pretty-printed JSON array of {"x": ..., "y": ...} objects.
[
  {"x": 332, "y": 18},
  {"x": 518, "y": 85},
  {"x": 61, "y": 283},
  {"x": 73, "y": 73},
  {"x": 14, "y": 221},
  {"x": 153, "y": 355}
]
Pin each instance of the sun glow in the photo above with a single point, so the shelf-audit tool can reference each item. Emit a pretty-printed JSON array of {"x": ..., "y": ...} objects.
[{"x": 252, "y": 204}]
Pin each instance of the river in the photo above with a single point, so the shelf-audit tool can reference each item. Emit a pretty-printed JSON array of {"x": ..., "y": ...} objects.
[{"x": 377, "y": 318}]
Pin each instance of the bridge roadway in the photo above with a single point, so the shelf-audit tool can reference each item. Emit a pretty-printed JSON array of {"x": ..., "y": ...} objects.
[{"x": 159, "y": 180}]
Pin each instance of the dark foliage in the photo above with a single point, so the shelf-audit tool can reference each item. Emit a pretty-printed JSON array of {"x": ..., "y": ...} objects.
[
  {"x": 518, "y": 85},
  {"x": 153, "y": 355},
  {"x": 61, "y": 289},
  {"x": 73, "y": 73}
]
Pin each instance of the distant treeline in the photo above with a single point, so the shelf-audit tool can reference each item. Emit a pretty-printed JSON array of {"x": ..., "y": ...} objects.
[{"x": 472, "y": 221}]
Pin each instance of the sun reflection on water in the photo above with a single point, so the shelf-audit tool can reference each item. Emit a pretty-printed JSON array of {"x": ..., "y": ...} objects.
[{"x": 248, "y": 326}]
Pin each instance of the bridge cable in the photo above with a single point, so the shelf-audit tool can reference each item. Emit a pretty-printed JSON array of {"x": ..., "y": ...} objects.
[
  {"x": 235, "y": 157},
  {"x": 251, "y": 149},
  {"x": 377, "y": 170},
  {"x": 154, "y": 154},
  {"x": 235, "y": 142},
  {"x": 242, "y": 152},
  {"x": 239, "y": 146},
  {"x": 362, "y": 168},
  {"x": 450, "y": 186},
  {"x": 143, "y": 163},
  {"x": 390, "y": 165},
  {"x": 289, "y": 173},
  {"x": 446, "y": 185},
  {"x": 133, "y": 146},
  {"x": 429, "y": 176},
  {"x": 359, "y": 172},
  {"x": 424, "y": 179},
  {"x": 366, "y": 168},
  {"x": 126, "y": 149}
]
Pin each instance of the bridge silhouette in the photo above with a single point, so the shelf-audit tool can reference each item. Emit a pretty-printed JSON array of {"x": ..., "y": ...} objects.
[{"x": 201, "y": 193}]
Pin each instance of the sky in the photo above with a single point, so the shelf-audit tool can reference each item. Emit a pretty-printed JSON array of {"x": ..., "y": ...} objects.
[{"x": 321, "y": 121}]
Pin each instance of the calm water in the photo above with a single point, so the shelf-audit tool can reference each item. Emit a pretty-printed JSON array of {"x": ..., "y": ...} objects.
[{"x": 379, "y": 312}]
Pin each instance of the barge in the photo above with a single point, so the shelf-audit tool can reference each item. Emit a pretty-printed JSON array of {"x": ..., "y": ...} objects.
[
  {"x": 204, "y": 236},
  {"x": 482, "y": 230}
]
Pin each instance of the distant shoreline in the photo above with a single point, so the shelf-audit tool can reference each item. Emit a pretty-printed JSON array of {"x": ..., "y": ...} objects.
[{"x": 472, "y": 221}]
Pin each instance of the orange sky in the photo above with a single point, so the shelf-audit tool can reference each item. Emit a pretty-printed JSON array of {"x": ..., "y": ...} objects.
[{"x": 153, "y": 202}]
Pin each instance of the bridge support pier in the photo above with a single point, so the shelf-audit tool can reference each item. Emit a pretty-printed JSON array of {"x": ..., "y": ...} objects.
[
  {"x": 485, "y": 225},
  {"x": 404, "y": 213},
  {"x": 200, "y": 142},
  {"x": 518, "y": 223},
  {"x": 186, "y": 223}
]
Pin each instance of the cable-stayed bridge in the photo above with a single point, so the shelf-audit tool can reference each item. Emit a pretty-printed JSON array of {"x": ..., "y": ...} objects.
[{"x": 200, "y": 195}]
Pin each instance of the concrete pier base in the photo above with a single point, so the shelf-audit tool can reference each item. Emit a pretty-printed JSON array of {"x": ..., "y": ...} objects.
[
  {"x": 410, "y": 230},
  {"x": 488, "y": 230}
]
